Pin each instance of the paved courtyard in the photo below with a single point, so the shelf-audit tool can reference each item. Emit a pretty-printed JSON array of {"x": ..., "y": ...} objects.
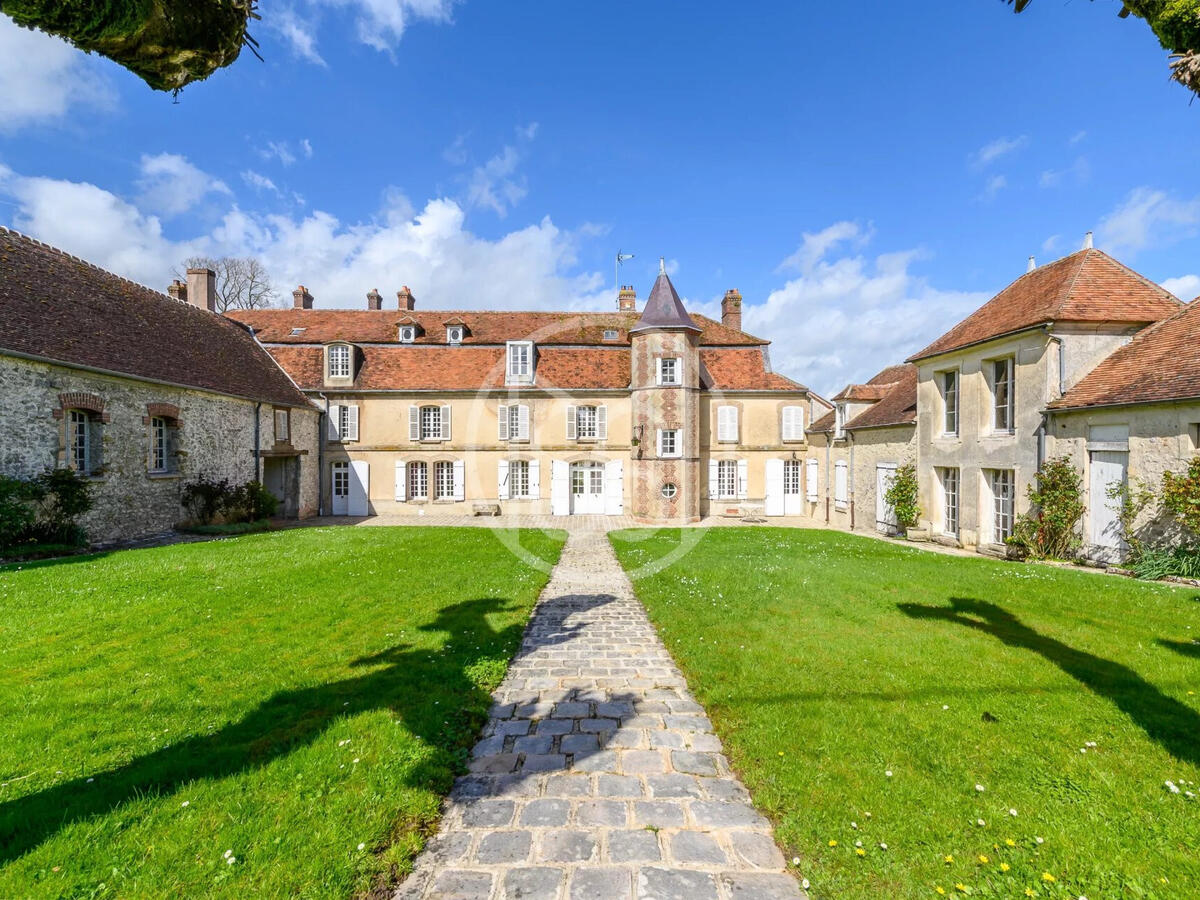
[{"x": 598, "y": 776}]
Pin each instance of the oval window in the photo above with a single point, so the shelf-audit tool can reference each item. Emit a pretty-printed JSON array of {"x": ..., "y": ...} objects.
[{"x": 669, "y": 490}]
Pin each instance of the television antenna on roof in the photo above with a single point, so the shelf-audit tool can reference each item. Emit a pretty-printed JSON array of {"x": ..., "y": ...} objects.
[{"x": 621, "y": 257}]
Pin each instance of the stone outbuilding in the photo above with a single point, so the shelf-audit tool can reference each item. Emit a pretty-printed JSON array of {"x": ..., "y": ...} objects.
[{"x": 141, "y": 392}]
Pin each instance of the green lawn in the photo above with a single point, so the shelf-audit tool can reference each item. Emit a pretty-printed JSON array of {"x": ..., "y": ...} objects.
[
  {"x": 298, "y": 700},
  {"x": 862, "y": 682}
]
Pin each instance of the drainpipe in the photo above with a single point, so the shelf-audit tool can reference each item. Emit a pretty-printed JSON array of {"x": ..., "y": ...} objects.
[
  {"x": 828, "y": 457},
  {"x": 853, "y": 493},
  {"x": 257, "y": 437},
  {"x": 1062, "y": 389},
  {"x": 322, "y": 426}
]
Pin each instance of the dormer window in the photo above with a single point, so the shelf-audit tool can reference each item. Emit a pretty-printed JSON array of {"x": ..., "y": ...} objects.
[
  {"x": 339, "y": 361},
  {"x": 408, "y": 334},
  {"x": 454, "y": 334},
  {"x": 610, "y": 334},
  {"x": 296, "y": 332},
  {"x": 519, "y": 363}
]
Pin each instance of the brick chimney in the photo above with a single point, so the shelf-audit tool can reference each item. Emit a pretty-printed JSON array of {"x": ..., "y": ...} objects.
[
  {"x": 731, "y": 310},
  {"x": 374, "y": 299},
  {"x": 406, "y": 298},
  {"x": 202, "y": 288},
  {"x": 177, "y": 290},
  {"x": 627, "y": 299},
  {"x": 301, "y": 298}
]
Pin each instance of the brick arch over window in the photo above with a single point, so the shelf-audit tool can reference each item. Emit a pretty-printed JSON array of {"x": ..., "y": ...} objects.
[
  {"x": 162, "y": 410},
  {"x": 92, "y": 403}
]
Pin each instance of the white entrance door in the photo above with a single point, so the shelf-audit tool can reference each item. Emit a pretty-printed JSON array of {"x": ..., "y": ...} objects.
[
  {"x": 885, "y": 516},
  {"x": 587, "y": 489},
  {"x": 774, "y": 503},
  {"x": 360, "y": 474},
  {"x": 340, "y": 476},
  {"x": 793, "y": 500},
  {"x": 1108, "y": 467}
]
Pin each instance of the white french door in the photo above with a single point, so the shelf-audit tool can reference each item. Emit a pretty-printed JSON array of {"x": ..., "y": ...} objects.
[
  {"x": 340, "y": 473},
  {"x": 587, "y": 489}
]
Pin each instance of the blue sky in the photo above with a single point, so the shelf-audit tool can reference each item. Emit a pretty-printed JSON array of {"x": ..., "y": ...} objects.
[{"x": 866, "y": 174}]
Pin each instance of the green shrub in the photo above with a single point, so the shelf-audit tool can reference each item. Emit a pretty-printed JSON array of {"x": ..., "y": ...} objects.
[
  {"x": 1181, "y": 498},
  {"x": 43, "y": 510},
  {"x": 1131, "y": 501},
  {"x": 1050, "y": 530},
  {"x": 206, "y": 499},
  {"x": 902, "y": 496},
  {"x": 1182, "y": 562},
  {"x": 17, "y": 512},
  {"x": 253, "y": 502}
]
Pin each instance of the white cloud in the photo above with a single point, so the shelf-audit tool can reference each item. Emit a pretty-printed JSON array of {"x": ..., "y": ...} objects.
[
  {"x": 1185, "y": 287},
  {"x": 848, "y": 315},
  {"x": 1051, "y": 242},
  {"x": 259, "y": 181},
  {"x": 279, "y": 150},
  {"x": 990, "y": 152},
  {"x": 456, "y": 154},
  {"x": 378, "y": 23},
  {"x": 170, "y": 185},
  {"x": 306, "y": 148},
  {"x": 42, "y": 78},
  {"x": 495, "y": 185},
  {"x": 1077, "y": 137},
  {"x": 1147, "y": 215},
  {"x": 1078, "y": 172},
  {"x": 432, "y": 250},
  {"x": 994, "y": 186},
  {"x": 297, "y": 32}
]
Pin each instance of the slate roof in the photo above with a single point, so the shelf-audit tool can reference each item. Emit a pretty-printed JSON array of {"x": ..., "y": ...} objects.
[
  {"x": 893, "y": 396},
  {"x": 1087, "y": 286},
  {"x": 664, "y": 309},
  {"x": 1161, "y": 363},
  {"x": 57, "y": 307}
]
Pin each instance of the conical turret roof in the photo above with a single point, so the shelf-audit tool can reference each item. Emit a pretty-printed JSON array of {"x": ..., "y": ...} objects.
[{"x": 664, "y": 309}]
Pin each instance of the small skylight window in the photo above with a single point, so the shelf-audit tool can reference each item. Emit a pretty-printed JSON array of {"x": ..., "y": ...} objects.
[
  {"x": 610, "y": 334},
  {"x": 296, "y": 331},
  {"x": 454, "y": 334},
  {"x": 408, "y": 333}
]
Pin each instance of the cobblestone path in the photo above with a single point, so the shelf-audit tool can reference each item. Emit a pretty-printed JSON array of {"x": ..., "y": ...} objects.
[{"x": 598, "y": 776}]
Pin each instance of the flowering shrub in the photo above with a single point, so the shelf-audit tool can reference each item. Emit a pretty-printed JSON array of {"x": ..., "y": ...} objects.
[
  {"x": 1181, "y": 498},
  {"x": 902, "y": 496},
  {"x": 1050, "y": 530}
]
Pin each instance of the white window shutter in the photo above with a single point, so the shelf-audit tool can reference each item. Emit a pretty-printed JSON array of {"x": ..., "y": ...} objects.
[
  {"x": 352, "y": 423},
  {"x": 522, "y": 422},
  {"x": 335, "y": 415},
  {"x": 535, "y": 486},
  {"x": 502, "y": 423},
  {"x": 812, "y": 486},
  {"x": 459, "y": 478},
  {"x": 570, "y": 425},
  {"x": 791, "y": 429},
  {"x": 614, "y": 488},
  {"x": 659, "y": 451},
  {"x": 727, "y": 424},
  {"x": 502, "y": 479},
  {"x": 602, "y": 423},
  {"x": 414, "y": 423},
  {"x": 401, "y": 481},
  {"x": 560, "y": 488},
  {"x": 773, "y": 502},
  {"x": 446, "y": 424},
  {"x": 743, "y": 479},
  {"x": 658, "y": 367},
  {"x": 712, "y": 479}
]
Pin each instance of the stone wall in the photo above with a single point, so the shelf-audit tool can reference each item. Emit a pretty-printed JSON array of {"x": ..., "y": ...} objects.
[{"x": 214, "y": 437}]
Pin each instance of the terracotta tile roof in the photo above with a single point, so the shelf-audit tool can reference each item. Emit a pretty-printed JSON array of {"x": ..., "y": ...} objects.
[
  {"x": 1088, "y": 286},
  {"x": 363, "y": 326},
  {"x": 57, "y": 307},
  {"x": 824, "y": 424},
  {"x": 897, "y": 406},
  {"x": 1160, "y": 363},
  {"x": 741, "y": 370}
]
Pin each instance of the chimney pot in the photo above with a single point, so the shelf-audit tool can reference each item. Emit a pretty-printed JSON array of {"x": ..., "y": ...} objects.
[
  {"x": 406, "y": 299},
  {"x": 177, "y": 290},
  {"x": 627, "y": 299},
  {"x": 301, "y": 298},
  {"x": 202, "y": 288},
  {"x": 731, "y": 309},
  {"x": 374, "y": 299},
  {"x": 1087, "y": 241},
  {"x": 1031, "y": 265}
]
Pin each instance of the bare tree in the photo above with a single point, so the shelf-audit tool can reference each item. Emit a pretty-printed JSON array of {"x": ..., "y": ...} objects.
[{"x": 242, "y": 281}]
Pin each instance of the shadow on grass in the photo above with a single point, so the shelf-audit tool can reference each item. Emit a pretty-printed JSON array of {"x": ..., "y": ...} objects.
[
  {"x": 1171, "y": 724},
  {"x": 409, "y": 682},
  {"x": 1186, "y": 648}
]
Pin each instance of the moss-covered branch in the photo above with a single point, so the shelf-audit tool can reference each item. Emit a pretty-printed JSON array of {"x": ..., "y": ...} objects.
[{"x": 166, "y": 43}]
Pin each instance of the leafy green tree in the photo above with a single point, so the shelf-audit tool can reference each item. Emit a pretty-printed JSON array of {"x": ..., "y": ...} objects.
[
  {"x": 1176, "y": 24},
  {"x": 902, "y": 496},
  {"x": 1050, "y": 530}
]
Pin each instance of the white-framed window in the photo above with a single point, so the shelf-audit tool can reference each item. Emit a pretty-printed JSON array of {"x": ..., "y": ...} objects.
[
  {"x": 429, "y": 423},
  {"x": 668, "y": 443},
  {"x": 343, "y": 423},
  {"x": 950, "y": 486},
  {"x": 282, "y": 425},
  {"x": 443, "y": 473},
  {"x": 727, "y": 424},
  {"x": 839, "y": 421},
  {"x": 812, "y": 483},
  {"x": 669, "y": 490},
  {"x": 668, "y": 370},
  {"x": 513, "y": 422},
  {"x": 339, "y": 360},
  {"x": 727, "y": 479},
  {"x": 587, "y": 423},
  {"x": 791, "y": 477},
  {"x": 408, "y": 334},
  {"x": 1003, "y": 405},
  {"x": 841, "y": 484},
  {"x": 949, "y": 386},
  {"x": 1003, "y": 487},
  {"x": 610, "y": 334},
  {"x": 519, "y": 364},
  {"x": 418, "y": 481},
  {"x": 80, "y": 424},
  {"x": 454, "y": 334},
  {"x": 160, "y": 443},
  {"x": 792, "y": 423},
  {"x": 518, "y": 478},
  {"x": 341, "y": 479}
]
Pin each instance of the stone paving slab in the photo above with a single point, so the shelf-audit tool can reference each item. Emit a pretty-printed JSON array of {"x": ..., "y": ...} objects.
[{"x": 597, "y": 776}]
